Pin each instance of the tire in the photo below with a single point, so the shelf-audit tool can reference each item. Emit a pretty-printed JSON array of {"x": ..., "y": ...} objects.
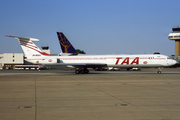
[
  {"x": 82, "y": 71},
  {"x": 77, "y": 71},
  {"x": 86, "y": 71}
]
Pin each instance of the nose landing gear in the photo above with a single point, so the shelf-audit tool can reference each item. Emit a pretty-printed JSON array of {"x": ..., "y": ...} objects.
[{"x": 160, "y": 69}]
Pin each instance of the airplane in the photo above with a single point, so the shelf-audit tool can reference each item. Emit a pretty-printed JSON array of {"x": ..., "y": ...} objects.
[
  {"x": 66, "y": 46},
  {"x": 82, "y": 63},
  {"x": 69, "y": 49}
]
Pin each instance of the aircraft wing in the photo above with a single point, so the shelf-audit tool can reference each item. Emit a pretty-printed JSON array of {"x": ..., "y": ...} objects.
[
  {"x": 76, "y": 65},
  {"x": 88, "y": 65}
]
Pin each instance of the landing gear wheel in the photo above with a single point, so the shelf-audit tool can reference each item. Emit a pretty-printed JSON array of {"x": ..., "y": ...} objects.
[
  {"x": 160, "y": 69},
  {"x": 82, "y": 71},
  {"x": 128, "y": 69},
  {"x": 77, "y": 71},
  {"x": 86, "y": 71}
]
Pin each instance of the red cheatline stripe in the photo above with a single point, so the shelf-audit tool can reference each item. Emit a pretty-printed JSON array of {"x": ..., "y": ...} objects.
[
  {"x": 28, "y": 44},
  {"x": 42, "y": 53},
  {"x": 31, "y": 46}
]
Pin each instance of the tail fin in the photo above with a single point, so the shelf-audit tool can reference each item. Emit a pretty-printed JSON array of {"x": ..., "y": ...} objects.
[
  {"x": 29, "y": 48},
  {"x": 65, "y": 44}
]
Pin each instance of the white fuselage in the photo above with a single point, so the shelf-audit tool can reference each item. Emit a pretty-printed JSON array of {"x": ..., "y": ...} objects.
[
  {"x": 123, "y": 61},
  {"x": 36, "y": 56}
]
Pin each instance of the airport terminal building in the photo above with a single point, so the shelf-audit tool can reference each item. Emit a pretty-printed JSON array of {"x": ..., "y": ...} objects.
[
  {"x": 9, "y": 60},
  {"x": 17, "y": 60}
]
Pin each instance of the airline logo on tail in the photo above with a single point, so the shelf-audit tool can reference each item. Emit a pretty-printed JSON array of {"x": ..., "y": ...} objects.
[
  {"x": 29, "y": 48},
  {"x": 32, "y": 46},
  {"x": 29, "y": 44},
  {"x": 65, "y": 44}
]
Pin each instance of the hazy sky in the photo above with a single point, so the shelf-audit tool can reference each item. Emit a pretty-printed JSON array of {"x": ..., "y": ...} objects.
[{"x": 95, "y": 26}]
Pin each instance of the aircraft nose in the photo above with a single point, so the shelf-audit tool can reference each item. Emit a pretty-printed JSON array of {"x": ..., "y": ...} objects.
[{"x": 173, "y": 62}]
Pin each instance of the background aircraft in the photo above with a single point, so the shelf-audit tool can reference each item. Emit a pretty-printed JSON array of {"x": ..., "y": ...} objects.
[{"x": 66, "y": 46}]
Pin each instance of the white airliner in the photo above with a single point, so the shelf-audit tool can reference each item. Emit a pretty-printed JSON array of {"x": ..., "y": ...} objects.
[{"x": 82, "y": 63}]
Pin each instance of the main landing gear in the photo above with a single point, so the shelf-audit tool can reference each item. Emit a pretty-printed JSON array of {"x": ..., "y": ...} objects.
[
  {"x": 82, "y": 71},
  {"x": 160, "y": 69}
]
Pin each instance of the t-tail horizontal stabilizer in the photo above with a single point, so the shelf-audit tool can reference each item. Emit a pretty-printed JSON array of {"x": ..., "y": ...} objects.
[
  {"x": 23, "y": 38},
  {"x": 29, "y": 48}
]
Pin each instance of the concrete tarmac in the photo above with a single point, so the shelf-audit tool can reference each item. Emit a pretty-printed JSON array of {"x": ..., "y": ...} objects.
[{"x": 104, "y": 95}]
